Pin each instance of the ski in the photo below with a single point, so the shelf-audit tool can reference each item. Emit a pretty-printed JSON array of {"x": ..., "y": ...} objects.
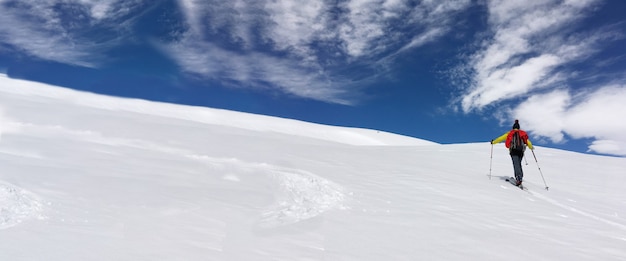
[{"x": 513, "y": 181}]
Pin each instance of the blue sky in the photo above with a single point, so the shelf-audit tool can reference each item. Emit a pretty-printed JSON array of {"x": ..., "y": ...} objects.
[{"x": 446, "y": 71}]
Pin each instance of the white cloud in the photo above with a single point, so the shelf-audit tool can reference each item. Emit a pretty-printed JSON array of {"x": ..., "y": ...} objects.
[
  {"x": 544, "y": 114},
  {"x": 510, "y": 82},
  {"x": 257, "y": 70},
  {"x": 295, "y": 25},
  {"x": 301, "y": 47},
  {"x": 363, "y": 26},
  {"x": 296, "y": 46},
  {"x": 600, "y": 114},
  {"x": 597, "y": 115},
  {"x": 529, "y": 58},
  {"x": 610, "y": 147},
  {"x": 45, "y": 29},
  {"x": 429, "y": 36},
  {"x": 530, "y": 41}
]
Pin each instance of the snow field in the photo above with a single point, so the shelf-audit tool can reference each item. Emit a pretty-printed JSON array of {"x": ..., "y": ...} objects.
[{"x": 86, "y": 177}]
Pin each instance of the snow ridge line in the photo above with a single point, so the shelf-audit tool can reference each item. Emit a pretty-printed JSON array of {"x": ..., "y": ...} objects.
[{"x": 242, "y": 120}]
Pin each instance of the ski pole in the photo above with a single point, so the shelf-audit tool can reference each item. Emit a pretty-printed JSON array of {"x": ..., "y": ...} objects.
[
  {"x": 544, "y": 180},
  {"x": 525, "y": 160},
  {"x": 491, "y": 160}
]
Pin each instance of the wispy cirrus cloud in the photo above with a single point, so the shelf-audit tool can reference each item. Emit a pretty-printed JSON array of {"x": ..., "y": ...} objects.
[
  {"x": 56, "y": 30},
  {"x": 256, "y": 70},
  {"x": 527, "y": 68},
  {"x": 530, "y": 42},
  {"x": 305, "y": 48}
]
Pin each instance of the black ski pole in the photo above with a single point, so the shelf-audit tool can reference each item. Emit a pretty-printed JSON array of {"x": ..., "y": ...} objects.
[{"x": 544, "y": 180}]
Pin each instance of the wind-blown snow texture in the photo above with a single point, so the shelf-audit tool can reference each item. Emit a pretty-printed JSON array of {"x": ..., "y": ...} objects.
[{"x": 89, "y": 177}]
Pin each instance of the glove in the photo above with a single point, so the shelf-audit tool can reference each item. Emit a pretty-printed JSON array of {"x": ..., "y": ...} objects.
[{"x": 491, "y": 141}]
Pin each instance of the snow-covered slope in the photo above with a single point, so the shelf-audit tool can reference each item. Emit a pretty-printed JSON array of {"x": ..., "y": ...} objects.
[
  {"x": 355, "y": 136},
  {"x": 89, "y": 177}
]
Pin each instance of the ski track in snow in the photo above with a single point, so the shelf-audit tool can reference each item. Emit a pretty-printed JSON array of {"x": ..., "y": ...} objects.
[
  {"x": 547, "y": 199},
  {"x": 17, "y": 205},
  {"x": 577, "y": 211},
  {"x": 303, "y": 195}
]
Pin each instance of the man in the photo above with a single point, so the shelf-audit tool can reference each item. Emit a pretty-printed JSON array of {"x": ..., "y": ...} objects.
[{"x": 516, "y": 142}]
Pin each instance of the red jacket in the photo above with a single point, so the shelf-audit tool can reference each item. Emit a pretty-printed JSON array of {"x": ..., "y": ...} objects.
[{"x": 508, "y": 136}]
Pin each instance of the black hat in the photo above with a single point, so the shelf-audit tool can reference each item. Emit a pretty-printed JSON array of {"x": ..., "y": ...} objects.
[{"x": 516, "y": 125}]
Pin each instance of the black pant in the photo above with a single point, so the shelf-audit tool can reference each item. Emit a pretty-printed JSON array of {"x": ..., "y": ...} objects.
[{"x": 517, "y": 166}]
